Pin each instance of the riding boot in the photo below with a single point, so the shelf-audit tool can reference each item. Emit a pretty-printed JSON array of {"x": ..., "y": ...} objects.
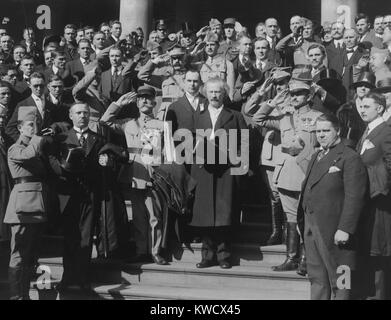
[
  {"x": 302, "y": 268},
  {"x": 291, "y": 261},
  {"x": 277, "y": 223},
  {"x": 15, "y": 283}
]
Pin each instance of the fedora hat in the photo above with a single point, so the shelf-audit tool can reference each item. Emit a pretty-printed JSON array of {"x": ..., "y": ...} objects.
[{"x": 365, "y": 78}]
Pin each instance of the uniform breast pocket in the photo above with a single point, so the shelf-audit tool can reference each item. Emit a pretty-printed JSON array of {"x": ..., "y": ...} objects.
[{"x": 29, "y": 199}]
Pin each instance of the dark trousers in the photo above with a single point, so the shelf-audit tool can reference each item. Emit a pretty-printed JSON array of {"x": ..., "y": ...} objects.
[
  {"x": 379, "y": 272},
  {"x": 215, "y": 243},
  {"x": 79, "y": 222},
  {"x": 321, "y": 267}
]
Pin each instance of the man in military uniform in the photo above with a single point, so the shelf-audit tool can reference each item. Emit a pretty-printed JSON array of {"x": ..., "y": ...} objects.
[
  {"x": 27, "y": 206},
  {"x": 216, "y": 65},
  {"x": 298, "y": 140},
  {"x": 144, "y": 136},
  {"x": 171, "y": 82}
]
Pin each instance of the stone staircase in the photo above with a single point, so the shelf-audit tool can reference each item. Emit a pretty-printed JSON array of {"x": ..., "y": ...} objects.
[{"x": 251, "y": 277}]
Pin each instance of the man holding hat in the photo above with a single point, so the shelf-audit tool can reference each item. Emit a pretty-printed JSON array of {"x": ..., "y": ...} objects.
[
  {"x": 297, "y": 127},
  {"x": 27, "y": 206},
  {"x": 144, "y": 136},
  {"x": 171, "y": 82},
  {"x": 352, "y": 126}
]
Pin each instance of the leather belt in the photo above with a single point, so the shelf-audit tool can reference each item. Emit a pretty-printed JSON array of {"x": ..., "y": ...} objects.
[
  {"x": 139, "y": 150},
  {"x": 169, "y": 99},
  {"x": 21, "y": 180}
]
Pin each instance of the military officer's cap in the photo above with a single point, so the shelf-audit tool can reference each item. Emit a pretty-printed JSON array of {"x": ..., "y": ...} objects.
[
  {"x": 280, "y": 75},
  {"x": 176, "y": 51},
  {"x": 146, "y": 91},
  {"x": 214, "y": 22},
  {"x": 211, "y": 37},
  {"x": 298, "y": 85},
  {"x": 229, "y": 21},
  {"x": 152, "y": 45},
  {"x": 383, "y": 85},
  {"x": 375, "y": 50},
  {"x": 27, "y": 114}
]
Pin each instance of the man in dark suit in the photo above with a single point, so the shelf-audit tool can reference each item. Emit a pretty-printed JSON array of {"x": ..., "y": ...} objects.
[
  {"x": 351, "y": 56},
  {"x": 335, "y": 48},
  {"x": 36, "y": 99},
  {"x": 323, "y": 100},
  {"x": 78, "y": 67},
  {"x": 58, "y": 66},
  {"x": 182, "y": 112},
  {"x": 375, "y": 150},
  {"x": 217, "y": 197},
  {"x": 27, "y": 66},
  {"x": 115, "y": 33},
  {"x": 331, "y": 203},
  {"x": 70, "y": 48},
  {"x": 113, "y": 83},
  {"x": 80, "y": 198}
]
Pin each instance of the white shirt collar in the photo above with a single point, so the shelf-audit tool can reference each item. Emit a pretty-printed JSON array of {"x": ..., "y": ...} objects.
[
  {"x": 339, "y": 41},
  {"x": 118, "y": 70},
  {"x": 80, "y": 131},
  {"x": 55, "y": 69},
  {"x": 83, "y": 60},
  {"x": 372, "y": 125},
  {"x": 53, "y": 98},
  {"x": 36, "y": 97}
]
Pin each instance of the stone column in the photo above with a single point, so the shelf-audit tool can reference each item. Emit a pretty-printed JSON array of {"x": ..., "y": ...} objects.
[
  {"x": 339, "y": 10},
  {"x": 136, "y": 13}
]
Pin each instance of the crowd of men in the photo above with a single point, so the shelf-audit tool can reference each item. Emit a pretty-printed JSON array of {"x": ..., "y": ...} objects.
[{"x": 89, "y": 127}]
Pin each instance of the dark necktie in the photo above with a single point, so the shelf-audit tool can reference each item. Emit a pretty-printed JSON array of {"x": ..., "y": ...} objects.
[
  {"x": 82, "y": 140},
  {"x": 321, "y": 154}
]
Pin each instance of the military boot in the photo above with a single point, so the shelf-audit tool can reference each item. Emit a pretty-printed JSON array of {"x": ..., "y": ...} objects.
[
  {"x": 302, "y": 268},
  {"x": 292, "y": 248},
  {"x": 277, "y": 223}
]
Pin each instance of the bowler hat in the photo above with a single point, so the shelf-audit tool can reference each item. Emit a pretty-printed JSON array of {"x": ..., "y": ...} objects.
[
  {"x": 383, "y": 85},
  {"x": 365, "y": 79},
  {"x": 146, "y": 91}
]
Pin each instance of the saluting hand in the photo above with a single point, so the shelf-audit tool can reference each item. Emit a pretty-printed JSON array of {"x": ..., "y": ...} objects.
[
  {"x": 126, "y": 99},
  {"x": 266, "y": 86},
  {"x": 280, "y": 97},
  {"x": 341, "y": 237}
]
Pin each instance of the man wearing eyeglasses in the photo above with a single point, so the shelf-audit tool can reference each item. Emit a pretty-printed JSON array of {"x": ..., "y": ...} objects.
[{"x": 298, "y": 140}]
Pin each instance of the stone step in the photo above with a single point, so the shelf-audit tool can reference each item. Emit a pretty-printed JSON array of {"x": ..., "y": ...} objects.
[
  {"x": 183, "y": 274},
  {"x": 242, "y": 253}
]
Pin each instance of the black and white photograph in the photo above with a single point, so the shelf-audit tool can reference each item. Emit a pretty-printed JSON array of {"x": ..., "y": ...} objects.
[{"x": 212, "y": 152}]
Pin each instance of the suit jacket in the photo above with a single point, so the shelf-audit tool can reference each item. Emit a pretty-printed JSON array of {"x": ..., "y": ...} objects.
[
  {"x": 335, "y": 57},
  {"x": 70, "y": 52},
  {"x": 182, "y": 114},
  {"x": 371, "y": 37},
  {"x": 12, "y": 126},
  {"x": 217, "y": 194},
  {"x": 377, "y": 159},
  {"x": 349, "y": 73},
  {"x": 333, "y": 194},
  {"x": 113, "y": 93},
  {"x": 28, "y": 201},
  {"x": 110, "y": 41},
  {"x": 23, "y": 90},
  {"x": 76, "y": 69}
]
